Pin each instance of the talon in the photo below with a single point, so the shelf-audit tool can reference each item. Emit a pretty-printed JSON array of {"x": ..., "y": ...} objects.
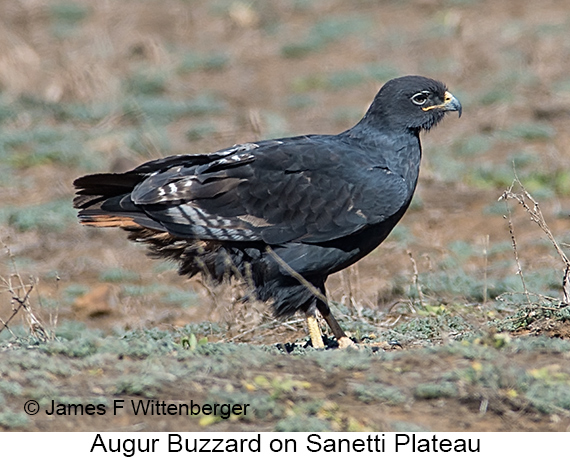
[{"x": 345, "y": 342}]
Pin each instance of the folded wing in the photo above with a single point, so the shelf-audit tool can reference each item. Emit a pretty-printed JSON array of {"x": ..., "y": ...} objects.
[{"x": 307, "y": 189}]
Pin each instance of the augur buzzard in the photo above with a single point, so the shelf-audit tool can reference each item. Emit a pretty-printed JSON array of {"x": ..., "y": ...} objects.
[{"x": 284, "y": 213}]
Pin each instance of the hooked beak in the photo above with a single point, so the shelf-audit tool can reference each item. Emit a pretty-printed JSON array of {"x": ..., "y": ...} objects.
[{"x": 450, "y": 104}]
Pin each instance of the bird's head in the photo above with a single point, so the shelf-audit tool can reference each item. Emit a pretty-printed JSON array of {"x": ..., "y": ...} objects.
[{"x": 412, "y": 102}]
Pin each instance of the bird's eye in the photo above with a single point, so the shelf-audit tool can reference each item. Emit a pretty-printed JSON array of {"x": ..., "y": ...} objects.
[{"x": 420, "y": 98}]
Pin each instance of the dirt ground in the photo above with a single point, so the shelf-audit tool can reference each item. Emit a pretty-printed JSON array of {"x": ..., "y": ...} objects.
[{"x": 452, "y": 311}]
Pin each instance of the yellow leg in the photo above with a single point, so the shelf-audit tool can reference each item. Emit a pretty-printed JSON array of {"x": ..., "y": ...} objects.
[{"x": 315, "y": 332}]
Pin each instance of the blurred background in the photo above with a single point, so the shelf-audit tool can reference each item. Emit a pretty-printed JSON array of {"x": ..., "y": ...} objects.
[{"x": 96, "y": 86}]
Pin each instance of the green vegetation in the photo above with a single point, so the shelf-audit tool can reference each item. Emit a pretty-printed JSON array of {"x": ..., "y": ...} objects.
[
  {"x": 69, "y": 12},
  {"x": 428, "y": 391},
  {"x": 44, "y": 145},
  {"x": 163, "y": 110},
  {"x": 192, "y": 61},
  {"x": 53, "y": 216},
  {"x": 13, "y": 420},
  {"x": 378, "y": 393},
  {"x": 302, "y": 424},
  {"x": 341, "y": 80},
  {"x": 324, "y": 32},
  {"x": 66, "y": 18},
  {"x": 268, "y": 385}
]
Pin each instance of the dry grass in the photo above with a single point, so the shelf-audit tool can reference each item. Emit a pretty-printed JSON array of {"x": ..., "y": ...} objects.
[
  {"x": 532, "y": 208},
  {"x": 20, "y": 293}
]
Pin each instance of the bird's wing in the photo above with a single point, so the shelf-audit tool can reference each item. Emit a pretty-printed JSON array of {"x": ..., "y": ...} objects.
[{"x": 312, "y": 189}]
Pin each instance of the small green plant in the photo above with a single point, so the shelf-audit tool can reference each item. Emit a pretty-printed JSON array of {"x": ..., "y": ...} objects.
[
  {"x": 340, "y": 80},
  {"x": 118, "y": 275},
  {"x": 197, "y": 62},
  {"x": 529, "y": 131},
  {"x": 302, "y": 424},
  {"x": 146, "y": 385},
  {"x": 162, "y": 110},
  {"x": 146, "y": 83},
  {"x": 54, "y": 216},
  {"x": 66, "y": 18},
  {"x": 325, "y": 32},
  {"x": 379, "y": 393},
  {"x": 428, "y": 391},
  {"x": 69, "y": 12},
  {"x": 13, "y": 420}
]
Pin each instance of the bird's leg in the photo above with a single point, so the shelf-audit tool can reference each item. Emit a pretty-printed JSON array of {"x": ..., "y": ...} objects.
[
  {"x": 343, "y": 340},
  {"x": 314, "y": 330},
  {"x": 338, "y": 332}
]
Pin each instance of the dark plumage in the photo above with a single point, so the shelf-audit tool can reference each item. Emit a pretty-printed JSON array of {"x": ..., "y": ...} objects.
[{"x": 317, "y": 203}]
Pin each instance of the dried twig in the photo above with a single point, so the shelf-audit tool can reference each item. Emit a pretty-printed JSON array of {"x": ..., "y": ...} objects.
[
  {"x": 20, "y": 297},
  {"x": 536, "y": 216},
  {"x": 415, "y": 279},
  {"x": 21, "y": 303},
  {"x": 516, "y": 252},
  {"x": 350, "y": 281},
  {"x": 269, "y": 326},
  {"x": 486, "y": 267}
]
